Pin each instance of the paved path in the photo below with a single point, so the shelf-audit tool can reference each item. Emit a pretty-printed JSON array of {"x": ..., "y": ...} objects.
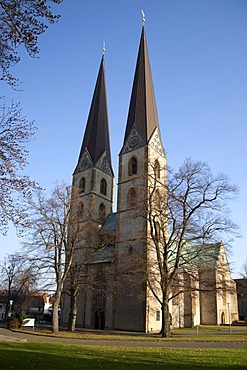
[{"x": 9, "y": 336}]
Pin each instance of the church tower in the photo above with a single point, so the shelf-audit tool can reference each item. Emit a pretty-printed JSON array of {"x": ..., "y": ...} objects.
[
  {"x": 142, "y": 157},
  {"x": 93, "y": 175},
  {"x": 93, "y": 184}
]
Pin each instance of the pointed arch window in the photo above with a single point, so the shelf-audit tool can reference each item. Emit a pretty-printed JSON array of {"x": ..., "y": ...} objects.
[
  {"x": 80, "y": 209},
  {"x": 133, "y": 166},
  {"x": 103, "y": 187},
  {"x": 157, "y": 231},
  {"x": 99, "y": 300},
  {"x": 224, "y": 290},
  {"x": 157, "y": 200},
  {"x": 102, "y": 211},
  {"x": 132, "y": 197},
  {"x": 157, "y": 169},
  {"x": 82, "y": 184}
]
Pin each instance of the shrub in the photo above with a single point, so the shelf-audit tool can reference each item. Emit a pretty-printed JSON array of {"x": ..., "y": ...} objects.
[{"x": 15, "y": 321}]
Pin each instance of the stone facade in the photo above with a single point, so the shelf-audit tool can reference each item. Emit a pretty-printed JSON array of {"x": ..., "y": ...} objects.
[
  {"x": 242, "y": 297},
  {"x": 115, "y": 249}
]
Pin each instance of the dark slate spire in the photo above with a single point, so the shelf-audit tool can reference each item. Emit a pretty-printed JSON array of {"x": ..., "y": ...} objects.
[
  {"x": 142, "y": 111},
  {"x": 95, "y": 150}
]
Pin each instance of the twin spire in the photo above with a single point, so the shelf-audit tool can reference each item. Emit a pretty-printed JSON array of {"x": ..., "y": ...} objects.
[
  {"x": 142, "y": 110},
  {"x": 142, "y": 116},
  {"x": 96, "y": 143}
]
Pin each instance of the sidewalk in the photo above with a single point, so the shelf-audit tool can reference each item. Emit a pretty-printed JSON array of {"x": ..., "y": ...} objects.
[{"x": 9, "y": 336}]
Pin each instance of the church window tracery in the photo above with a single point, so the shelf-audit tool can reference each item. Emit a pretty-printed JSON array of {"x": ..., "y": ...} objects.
[
  {"x": 224, "y": 290},
  {"x": 157, "y": 200},
  {"x": 132, "y": 166},
  {"x": 102, "y": 211},
  {"x": 80, "y": 209},
  {"x": 82, "y": 184},
  {"x": 103, "y": 187},
  {"x": 132, "y": 196},
  {"x": 99, "y": 301},
  {"x": 157, "y": 231},
  {"x": 157, "y": 169}
]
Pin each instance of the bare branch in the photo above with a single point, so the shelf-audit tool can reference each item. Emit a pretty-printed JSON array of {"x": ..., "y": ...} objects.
[{"x": 21, "y": 24}]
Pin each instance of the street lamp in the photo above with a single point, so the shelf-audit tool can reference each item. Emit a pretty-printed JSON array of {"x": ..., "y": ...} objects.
[{"x": 10, "y": 306}]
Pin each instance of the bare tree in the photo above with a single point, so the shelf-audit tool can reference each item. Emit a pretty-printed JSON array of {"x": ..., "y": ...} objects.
[
  {"x": 52, "y": 239},
  {"x": 244, "y": 272},
  {"x": 81, "y": 277},
  {"x": 15, "y": 132},
  {"x": 77, "y": 272},
  {"x": 21, "y": 24},
  {"x": 74, "y": 285},
  {"x": 185, "y": 217},
  {"x": 84, "y": 275},
  {"x": 18, "y": 280}
]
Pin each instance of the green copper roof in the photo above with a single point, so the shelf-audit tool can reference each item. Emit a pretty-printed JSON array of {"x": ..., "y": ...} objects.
[
  {"x": 201, "y": 256},
  {"x": 110, "y": 223},
  {"x": 104, "y": 255}
]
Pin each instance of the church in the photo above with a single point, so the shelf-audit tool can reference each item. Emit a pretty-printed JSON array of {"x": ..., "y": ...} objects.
[{"x": 113, "y": 293}]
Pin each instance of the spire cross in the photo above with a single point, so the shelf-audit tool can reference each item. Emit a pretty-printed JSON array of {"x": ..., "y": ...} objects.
[
  {"x": 103, "y": 48},
  {"x": 143, "y": 17}
]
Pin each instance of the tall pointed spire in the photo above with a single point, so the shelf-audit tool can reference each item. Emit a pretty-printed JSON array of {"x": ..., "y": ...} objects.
[
  {"x": 95, "y": 149},
  {"x": 142, "y": 110}
]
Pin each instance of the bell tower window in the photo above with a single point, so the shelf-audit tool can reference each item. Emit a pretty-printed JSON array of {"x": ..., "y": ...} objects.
[
  {"x": 102, "y": 211},
  {"x": 82, "y": 184},
  {"x": 132, "y": 197},
  {"x": 103, "y": 187},
  {"x": 133, "y": 166},
  {"x": 80, "y": 209}
]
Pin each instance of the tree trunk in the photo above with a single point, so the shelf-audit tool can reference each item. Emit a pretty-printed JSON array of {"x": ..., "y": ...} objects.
[
  {"x": 72, "y": 313},
  {"x": 166, "y": 328},
  {"x": 7, "y": 300},
  {"x": 55, "y": 317}
]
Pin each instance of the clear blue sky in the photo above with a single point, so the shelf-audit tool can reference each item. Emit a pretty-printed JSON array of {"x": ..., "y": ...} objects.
[{"x": 198, "y": 53}]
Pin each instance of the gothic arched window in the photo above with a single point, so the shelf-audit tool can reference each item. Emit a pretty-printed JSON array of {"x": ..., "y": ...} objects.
[
  {"x": 157, "y": 200},
  {"x": 82, "y": 184},
  {"x": 80, "y": 210},
  {"x": 157, "y": 231},
  {"x": 99, "y": 301},
  {"x": 103, "y": 187},
  {"x": 224, "y": 290},
  {"x": 133, "y": 166},
  {"x": 157, "y": 169},
  {"x": 102, "y": 211},
  {"x": 132, "y": 195}
]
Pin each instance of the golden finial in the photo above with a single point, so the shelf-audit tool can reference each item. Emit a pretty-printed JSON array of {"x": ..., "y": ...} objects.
[
  {"x": 103, "y": 48},
  {"x": 143, "y": 17}
]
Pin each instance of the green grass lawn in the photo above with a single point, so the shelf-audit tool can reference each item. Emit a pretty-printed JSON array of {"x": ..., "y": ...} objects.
[{"x": 66, "y": 356}]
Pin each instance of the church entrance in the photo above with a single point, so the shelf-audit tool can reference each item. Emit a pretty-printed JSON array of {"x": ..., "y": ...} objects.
[
  {"x": 223, "y": 318},
  {"x": 99, "y": 320},
  {"x": 98, "y": 308}
]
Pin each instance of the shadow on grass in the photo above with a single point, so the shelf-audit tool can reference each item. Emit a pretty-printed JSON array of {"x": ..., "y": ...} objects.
[{"x": 58, "y": 356}]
